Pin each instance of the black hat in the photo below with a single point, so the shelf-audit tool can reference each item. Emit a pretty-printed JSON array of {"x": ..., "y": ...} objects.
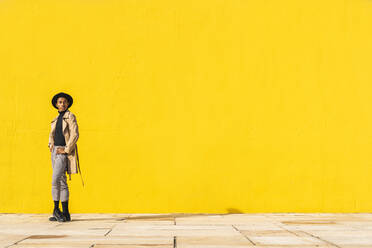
[{"x": 61, "y": 94}]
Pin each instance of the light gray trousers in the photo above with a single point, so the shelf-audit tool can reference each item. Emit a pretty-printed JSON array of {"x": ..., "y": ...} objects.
[{"x": 60, "y": 190}]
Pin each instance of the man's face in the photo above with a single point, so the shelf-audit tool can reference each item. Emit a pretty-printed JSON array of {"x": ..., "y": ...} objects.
[{"x": 62, "y": 104}]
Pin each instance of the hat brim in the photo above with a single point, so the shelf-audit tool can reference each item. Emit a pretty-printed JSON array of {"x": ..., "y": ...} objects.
[{"x": 61, "y": 94}]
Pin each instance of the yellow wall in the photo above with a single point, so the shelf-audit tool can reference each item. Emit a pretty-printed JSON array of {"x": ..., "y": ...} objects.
[{"x": 199, "y": 106}]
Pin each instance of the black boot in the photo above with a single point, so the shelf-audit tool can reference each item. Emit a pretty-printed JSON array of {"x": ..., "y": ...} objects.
[
  {"x": 65, "y": 211},
  {"x": 56, "y": 205},
  {"x": 57, "y": 214},
  {"x": 67, "y": 216},
  {"x": 52, "y": 218}
]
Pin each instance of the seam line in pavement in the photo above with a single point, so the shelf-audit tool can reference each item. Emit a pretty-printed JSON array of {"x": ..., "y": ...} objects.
[
  {"x": 243, "y": 235},
  {"x": 17, "y": 242},
  {"x": 108, "y": 232}
]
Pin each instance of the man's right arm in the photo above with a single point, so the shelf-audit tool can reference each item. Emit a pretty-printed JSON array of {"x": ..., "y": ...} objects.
[{"x": 51, "y": 142}]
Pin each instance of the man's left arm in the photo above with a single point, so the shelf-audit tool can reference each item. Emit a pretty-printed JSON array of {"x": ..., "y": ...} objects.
[{"x": 74, "y": 134}]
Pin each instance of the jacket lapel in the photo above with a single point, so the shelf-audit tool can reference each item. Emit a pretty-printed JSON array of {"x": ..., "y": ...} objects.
[{"x": 64, "y": 122}]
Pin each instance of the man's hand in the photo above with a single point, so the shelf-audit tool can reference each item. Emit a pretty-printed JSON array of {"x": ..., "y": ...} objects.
[
  {"x": 61, "y": 150},
  {"x": 51, "y": 148}
]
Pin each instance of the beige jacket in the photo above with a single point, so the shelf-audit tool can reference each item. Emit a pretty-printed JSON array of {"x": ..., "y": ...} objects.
[{"x": 71, "y": 132}]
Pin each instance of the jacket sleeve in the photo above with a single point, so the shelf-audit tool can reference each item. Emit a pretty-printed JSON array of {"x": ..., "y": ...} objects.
[
  {"x": 51, "y": 141},
  {"x": 74, "y": 134}
]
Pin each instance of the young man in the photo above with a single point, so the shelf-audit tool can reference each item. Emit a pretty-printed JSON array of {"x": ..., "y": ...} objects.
[{"x": 62, "y": 145}]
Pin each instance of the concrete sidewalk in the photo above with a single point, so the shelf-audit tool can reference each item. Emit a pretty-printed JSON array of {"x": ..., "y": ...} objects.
[{"x": 188, "y": 230}]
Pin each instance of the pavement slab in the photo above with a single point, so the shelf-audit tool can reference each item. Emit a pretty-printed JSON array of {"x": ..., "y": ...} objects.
[{"x": 266, "y": 230}]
